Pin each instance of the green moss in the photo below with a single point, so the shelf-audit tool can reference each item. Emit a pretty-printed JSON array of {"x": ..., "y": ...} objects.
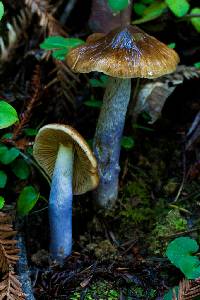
[
  {"x": 101, "y": 290},
  {"x": 136, "y": 203},
  {"x": 166, "y": 226},
  {"x": 104, "y": 290},
  {"x": 139, "y": 293}
]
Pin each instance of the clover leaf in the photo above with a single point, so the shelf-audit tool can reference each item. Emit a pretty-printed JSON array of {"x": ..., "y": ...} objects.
[{"x": 180, "y": 252}]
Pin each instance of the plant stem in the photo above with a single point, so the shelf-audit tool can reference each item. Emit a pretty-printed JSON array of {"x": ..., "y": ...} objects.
[
  {"x": 107, "y": 140},
  {"x": 60, "y": 205},
  {"x": 23, "y": 269}
]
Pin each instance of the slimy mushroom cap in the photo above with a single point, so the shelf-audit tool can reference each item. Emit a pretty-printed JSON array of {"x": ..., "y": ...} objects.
[{"x": 126, "y": 52}]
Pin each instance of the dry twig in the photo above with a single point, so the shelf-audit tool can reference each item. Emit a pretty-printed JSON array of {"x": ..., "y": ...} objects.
[{"x": 36, "y": 92}]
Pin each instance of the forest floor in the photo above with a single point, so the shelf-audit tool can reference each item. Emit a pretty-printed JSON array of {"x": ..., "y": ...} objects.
[{"x": 117, "y": 254}]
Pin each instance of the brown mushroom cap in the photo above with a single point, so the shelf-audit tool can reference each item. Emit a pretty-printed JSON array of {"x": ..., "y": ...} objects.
[
  {"x": 45, "y": 149},
  {"x": 126, "y": 52}
]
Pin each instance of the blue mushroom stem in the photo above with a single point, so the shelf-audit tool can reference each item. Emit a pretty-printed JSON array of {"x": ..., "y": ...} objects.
[
  {"x": 107, "y": 140},
  {"x": 60, "y": 205}
]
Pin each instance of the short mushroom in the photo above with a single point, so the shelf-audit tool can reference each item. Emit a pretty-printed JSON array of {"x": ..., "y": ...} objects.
[
  {"x": 124, "y": 53},
  {"x": 65, "y": 156}
]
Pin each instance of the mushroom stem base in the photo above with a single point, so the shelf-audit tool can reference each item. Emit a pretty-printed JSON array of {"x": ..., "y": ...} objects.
[
  {"x": 107, "y": 140},
  {"x": 60, "y": 205}
]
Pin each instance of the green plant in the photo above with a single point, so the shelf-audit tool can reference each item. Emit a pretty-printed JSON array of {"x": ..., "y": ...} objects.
[
  {"x": 1, "y": 10},
  {"x": 197, "y": 64},
  {"x": 169, "y": 294},
  {"x": 167, "y": 224},
  {"x": 27, "y": 200},
  {"x": 196, "y": 20},
  {"x": 101, "y": 82},
  {"x": 149, "y": 10},
  {"x": 181, "y": 253},
  {"x": 101, "y": 290},
  {"x": 8, "y": 115},
  {"x": 92, "y": 102},
  {"x": 127, "y": 142},
  {"x": 178, "y": 7},
  {"x": 138, "y": 209},
  {"x": 10, "y": 156},
  {"x": 60, "y": 45},
  {"x": 118, "y": 5}
]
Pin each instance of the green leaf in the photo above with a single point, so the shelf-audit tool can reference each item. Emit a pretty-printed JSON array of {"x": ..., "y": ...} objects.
[
  {"x": 3, "y": 179},
  {"x": 172, "y": 45},
  {"x": 197, "y": 64},
  {"x": 180, "y": 252},
  {"x": 59, "y": 42},
  {"x": 93, "y": 103},
  {"x": 7, "y": 135},
  {"x": 127, "y": 142},
  {"x": 118, "y": 5},
  {"x": 21, "y": 169},
  {"x": 169, "y": 294},
  {"x": 196, "y": 20},
  {"x": 60, "y": 45},
  {"x": 30, "y": 132},
  {"x": 8, "y": 155},
  {"x": 178, "y": 7},
  {"x": 137, "y": 126},
  {"x": 60, "y": 54},
  {"x": 139, "y": 8},
  {"x": 152, "y": 12},
  {"x": 1, "y": 10},
  {"x": 8, "y": 115},
  {"x": 27, "y": 200},
  {"x": 2, "y": 202},
  {"x": 190, "y": 266},
  {"x": 155, "y": 9},
  {"x": 102, "y": 82},
  {"x": 147, "y": 1}
]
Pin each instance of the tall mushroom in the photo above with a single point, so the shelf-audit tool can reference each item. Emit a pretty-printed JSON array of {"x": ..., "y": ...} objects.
[
  {"x": 124, "y": 53},
  {"x": 65, "y": 156}
]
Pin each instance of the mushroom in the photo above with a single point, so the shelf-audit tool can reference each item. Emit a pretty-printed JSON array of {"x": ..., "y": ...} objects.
[
  {"x": 124, "y": 53},
  {"x": 65, "y": 156}
]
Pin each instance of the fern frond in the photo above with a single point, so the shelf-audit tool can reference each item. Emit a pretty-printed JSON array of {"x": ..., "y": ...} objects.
[
  {"x": 15, "y": 30},
  {"x": 5, "y": 218},
  {"x": 8, "y": 248},
  {"x": 68, "y": 81},
  {"x": 188, "y": 290},
  {"x": 182, "y": 72},
  {"x": 44, "y": 11},
  {"x": 10, "y": 287}
]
